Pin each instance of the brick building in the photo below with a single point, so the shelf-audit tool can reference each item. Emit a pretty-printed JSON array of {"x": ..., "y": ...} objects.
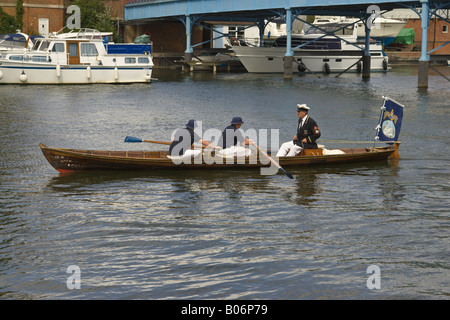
[
  {"x": 40, "y": 16},
  {"x": 438, "y": 34},
  {"x": 438, "y": 29}
]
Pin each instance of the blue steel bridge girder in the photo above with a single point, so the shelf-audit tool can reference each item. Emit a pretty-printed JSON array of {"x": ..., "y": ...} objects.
[
  {"x": 189, "y": 11},
  {"x": 157, "y": 9}
]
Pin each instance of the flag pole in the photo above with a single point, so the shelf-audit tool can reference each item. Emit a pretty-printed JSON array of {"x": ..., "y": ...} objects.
[{"x": 378, "y": 127}]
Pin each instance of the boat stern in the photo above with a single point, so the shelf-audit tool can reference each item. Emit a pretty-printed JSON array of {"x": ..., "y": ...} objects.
[{"x": 395, "y": 154}]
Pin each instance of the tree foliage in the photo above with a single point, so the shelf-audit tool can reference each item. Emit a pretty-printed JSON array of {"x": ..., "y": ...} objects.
[
  {"x": 9, "y": 24},
  {"x": 19, "y": 13},
  {"x": 95, "y": 14}
]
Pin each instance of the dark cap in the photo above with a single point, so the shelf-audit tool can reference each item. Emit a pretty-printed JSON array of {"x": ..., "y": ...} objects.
[
  {"x": 236, "y": 120},
  {"x": 192, "y": 124}
]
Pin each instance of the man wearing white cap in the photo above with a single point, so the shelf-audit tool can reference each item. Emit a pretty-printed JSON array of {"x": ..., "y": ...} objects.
[{"x": 307, "y": 134}]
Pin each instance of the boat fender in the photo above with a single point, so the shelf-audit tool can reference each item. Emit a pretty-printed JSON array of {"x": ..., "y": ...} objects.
[
  {"x": 326, "y": 67},
  {"x": 1, "y": 75},
  {"x": 88, "y": 72},
  {"x": 116, "y": 73},
  {"x": 359, "y": 67},
  {"x": 301, "y": 68},
  {"x": 23, "y": 77},
  {"x": 385, "y": 64},
  {"x": 58, "y": 70},
  {"x": 147, "y": 77}
]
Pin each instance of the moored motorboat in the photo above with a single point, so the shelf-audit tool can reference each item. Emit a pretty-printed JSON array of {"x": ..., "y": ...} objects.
[
  {"x": 315, "y": 51},
  {"x": 81, "y": 59}
]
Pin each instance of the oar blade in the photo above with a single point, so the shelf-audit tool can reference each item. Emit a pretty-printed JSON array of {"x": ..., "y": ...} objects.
[
  {"x": 132, "y": 139},
  {"x": 288, "y": 174}
]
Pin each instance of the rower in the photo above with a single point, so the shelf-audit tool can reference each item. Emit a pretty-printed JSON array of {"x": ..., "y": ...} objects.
[
  {"x": 181, "y": 144},
  {"x": 232, "y": 139}
]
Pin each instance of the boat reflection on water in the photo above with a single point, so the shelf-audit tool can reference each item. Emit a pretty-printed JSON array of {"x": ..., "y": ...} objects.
[{"x": 311, "y": 184}]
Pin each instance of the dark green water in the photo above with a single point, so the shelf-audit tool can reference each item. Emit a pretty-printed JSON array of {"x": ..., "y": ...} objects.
[{"x": 224, "y": 234}]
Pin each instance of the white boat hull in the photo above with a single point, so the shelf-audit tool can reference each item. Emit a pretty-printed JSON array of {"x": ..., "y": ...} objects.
[
  {"x": 386, "y": 28},
  {"x": 16, "y": 73},
  {"x": 271, "y": 60}
]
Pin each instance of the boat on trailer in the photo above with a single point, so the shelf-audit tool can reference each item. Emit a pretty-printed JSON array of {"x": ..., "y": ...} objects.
[{"x": 73, "y": 160}]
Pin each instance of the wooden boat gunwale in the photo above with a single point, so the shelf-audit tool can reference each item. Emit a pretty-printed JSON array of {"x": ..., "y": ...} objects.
[{"x": 70, "y": 160}]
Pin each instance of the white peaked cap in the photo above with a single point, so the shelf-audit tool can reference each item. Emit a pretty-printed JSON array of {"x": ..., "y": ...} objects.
[{"x": 302, "y": 106}]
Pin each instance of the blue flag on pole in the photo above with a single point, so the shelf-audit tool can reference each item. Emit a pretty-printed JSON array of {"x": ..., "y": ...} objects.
[{"x": 391, "y": 116}]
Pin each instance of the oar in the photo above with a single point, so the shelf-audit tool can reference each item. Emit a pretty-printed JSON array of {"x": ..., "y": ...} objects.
[
  {"x": 133, "y": 139},
  {"x": 273, "y": 161}
]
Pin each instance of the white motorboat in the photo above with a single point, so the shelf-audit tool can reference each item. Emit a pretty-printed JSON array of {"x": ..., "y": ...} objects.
[
  {"x": 382, "y": 29},
  {"x": 81, "y": 59},
  {"x": 319, "y": 53},
  {"x": 16, "y": 41}
]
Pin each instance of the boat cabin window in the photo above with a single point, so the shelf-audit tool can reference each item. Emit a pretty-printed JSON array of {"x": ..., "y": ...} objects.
[
  {"x": 331, "y": 28},
  {"x": 143, "y": 60},
  {"x": 39, "y": 58},
  {"x": 18, "y": 58},
  {"x": 58, "y": 47},
  {"x": 37, "y": 44},
  {"x": 73, "y": 50},
  {"x": 44, "y": 45},
  {"x": 88, "y": 49},
  {"x": 130, "y": 60}
]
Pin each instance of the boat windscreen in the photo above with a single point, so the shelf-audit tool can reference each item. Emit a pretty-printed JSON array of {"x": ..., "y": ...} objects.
[{"x": 331, "y": 28}]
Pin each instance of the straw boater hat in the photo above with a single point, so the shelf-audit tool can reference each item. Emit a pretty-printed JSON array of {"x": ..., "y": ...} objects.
[{"x": 302, "y": 107}]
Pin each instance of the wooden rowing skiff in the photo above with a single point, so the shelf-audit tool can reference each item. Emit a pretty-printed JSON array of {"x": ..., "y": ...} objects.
[{"x": 72, "y": 160}]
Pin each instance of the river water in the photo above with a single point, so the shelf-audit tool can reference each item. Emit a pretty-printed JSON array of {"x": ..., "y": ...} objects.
[{"x": 225, "y": 234}]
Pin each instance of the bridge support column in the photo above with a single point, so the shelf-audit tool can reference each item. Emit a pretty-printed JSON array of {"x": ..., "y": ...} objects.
[
  {"x": 288, "y": 62},
  {"x": 189, "y": 51},
  {"x": 425, "y": 57},
  {"x": 423, "y": 74},
  {"x": 261, "y": 27},
  {"x": 366, "y": 56},
  {"x": 289, "y": 56}
]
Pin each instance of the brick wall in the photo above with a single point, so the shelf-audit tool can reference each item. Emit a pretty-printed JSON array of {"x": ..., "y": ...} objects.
[
  {"x": 53, "y": 10},
  {"x": 436, "y": 34},
  {"x": 117, "y": 8},
  {"x": 167, "y": 36}
]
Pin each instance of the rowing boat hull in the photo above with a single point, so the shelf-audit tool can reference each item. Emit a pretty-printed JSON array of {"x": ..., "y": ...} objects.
[{"x": 72, "y": 160}]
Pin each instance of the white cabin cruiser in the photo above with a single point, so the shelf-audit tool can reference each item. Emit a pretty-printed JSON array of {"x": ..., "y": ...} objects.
[
  {"x": 383, "y": 29},
  {"x": 16, "y": 42},
  {"x": 320, "y": 52},
  {"x": 74, "y": 60}
]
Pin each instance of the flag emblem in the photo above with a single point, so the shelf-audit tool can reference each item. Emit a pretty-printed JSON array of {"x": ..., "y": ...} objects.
[{"x": 391, "y": 116}]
